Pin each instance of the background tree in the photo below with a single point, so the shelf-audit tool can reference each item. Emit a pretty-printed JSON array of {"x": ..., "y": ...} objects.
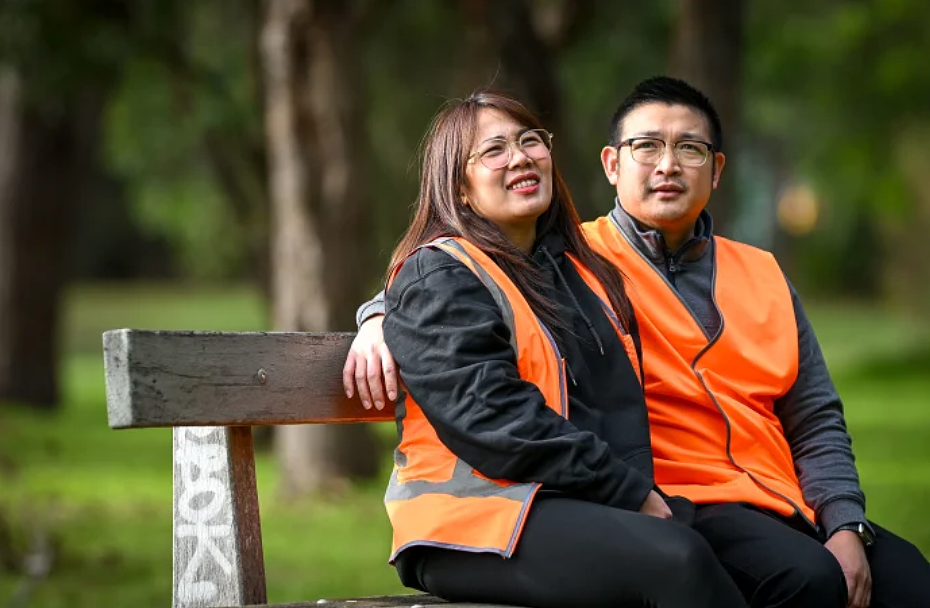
[
  {"x": 51, "y": 108},
  {"x": 321, "y": 232},
  {"x": 527, "y": 38},
  {"x": 139, "y": 132},
  {"x": 707, "y": 51},
  {"x": 851, "y": 126}
]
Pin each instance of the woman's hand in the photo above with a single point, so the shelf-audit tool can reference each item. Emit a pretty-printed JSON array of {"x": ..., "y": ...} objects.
[{"x": 370, "y": 366}]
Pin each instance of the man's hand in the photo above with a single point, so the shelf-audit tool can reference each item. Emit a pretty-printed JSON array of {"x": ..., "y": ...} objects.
[
  {"x": 847, "y": 547},
  {"x": 369, "y": 359},
  {"x": 655, "y": 506}
]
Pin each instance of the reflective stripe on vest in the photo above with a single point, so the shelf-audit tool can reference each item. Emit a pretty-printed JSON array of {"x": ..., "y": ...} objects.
[
  {"x": 435, "y": 499},
  {"x": 715, "y": 435}
]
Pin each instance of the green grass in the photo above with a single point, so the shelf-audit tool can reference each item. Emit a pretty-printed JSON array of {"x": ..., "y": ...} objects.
[
  {"x": 105, "y": 496},
  {"x": 92, "y": 309}
]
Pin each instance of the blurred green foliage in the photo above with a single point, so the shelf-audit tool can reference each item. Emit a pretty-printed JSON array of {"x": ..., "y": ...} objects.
[
  {"x": 184, "y": 106},
  {"x": 833, "y": 93},
  {"x": 839, "y": 86},
  {"x": 835, "y": 97},
  {"x": 104, "y": 497}
]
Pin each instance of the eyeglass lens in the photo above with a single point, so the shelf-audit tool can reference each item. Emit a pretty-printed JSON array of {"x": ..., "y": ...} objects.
[
  {"x": 651, "y": 151},
  {"x": 496, "y": 153}
]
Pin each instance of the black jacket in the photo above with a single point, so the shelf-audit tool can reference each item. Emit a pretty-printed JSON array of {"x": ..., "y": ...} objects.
[{"x": 452, "y": 346}]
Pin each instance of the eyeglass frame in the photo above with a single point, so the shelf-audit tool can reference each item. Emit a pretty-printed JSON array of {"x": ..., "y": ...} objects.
[
  {"x": 510, "y": 144},
  {"x": 629, "y": 142}
]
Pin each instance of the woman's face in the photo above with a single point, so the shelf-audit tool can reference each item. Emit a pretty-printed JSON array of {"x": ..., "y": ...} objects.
[{"x": 514, "y": 195}]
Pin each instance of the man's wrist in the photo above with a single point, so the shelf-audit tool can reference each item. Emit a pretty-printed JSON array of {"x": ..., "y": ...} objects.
[
  {"x": 840, "y": 512},
  {"x": 861, "y": 529}
]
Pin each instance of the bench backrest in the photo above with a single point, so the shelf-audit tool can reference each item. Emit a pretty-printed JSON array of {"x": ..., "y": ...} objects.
[{"x": 211, "y": 387}]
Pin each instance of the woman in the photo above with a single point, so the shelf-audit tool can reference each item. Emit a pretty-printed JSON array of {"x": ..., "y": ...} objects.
[{"x": 503, "y": 323}]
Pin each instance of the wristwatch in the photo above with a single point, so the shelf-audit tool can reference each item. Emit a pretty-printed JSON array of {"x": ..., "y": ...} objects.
[{"x": 863, "y": 531}]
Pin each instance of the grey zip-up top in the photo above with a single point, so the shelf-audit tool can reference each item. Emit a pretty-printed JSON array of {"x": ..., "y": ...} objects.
[{"x": 811, "y": 412}]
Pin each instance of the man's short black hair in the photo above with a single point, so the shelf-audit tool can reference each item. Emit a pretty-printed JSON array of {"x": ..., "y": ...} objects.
[{"x": 671, "y": 91}]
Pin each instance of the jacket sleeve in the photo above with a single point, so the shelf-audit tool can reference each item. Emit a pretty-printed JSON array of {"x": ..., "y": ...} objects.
[
  {"x": 811, "y": 414},
  {"x": 369, "y": 309},
  {"x": 452, "y": 346}
]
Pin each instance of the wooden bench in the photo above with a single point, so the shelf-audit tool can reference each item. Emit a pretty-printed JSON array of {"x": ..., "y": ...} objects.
[{"x": 210, "y": 387}]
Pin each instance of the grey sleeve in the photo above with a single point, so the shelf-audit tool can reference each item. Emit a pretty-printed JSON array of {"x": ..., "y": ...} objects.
[
  {"x": 811, "y": 414},
  {"x": 369, "y": 309}
]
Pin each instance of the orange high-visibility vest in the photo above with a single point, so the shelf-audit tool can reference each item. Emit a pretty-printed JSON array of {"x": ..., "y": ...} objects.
[
  {"x": 715, "y": 435},
  {"x": 433, "y": 497}
]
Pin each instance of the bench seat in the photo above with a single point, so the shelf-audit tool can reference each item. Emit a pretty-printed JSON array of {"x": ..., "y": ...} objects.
[{"x": 385, "y": 601}]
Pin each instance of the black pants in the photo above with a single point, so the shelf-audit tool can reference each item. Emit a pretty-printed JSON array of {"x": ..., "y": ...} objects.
[
  {"x": 781, "y": 562},
  {"x": 576, "y": 554}
]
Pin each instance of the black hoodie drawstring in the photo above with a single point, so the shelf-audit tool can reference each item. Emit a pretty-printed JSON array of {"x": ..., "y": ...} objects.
[{"x": 587, "y": 321}]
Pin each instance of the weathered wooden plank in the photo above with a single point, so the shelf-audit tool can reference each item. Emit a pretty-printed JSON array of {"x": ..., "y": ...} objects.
[
  {"x": 170, "y": 378},
  {"x": 387, "y": 601},
  {"x": 217, "y": 530}
]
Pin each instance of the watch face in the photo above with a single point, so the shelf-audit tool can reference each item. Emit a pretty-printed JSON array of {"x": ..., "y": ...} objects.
[{"x": 866, "y": 535}]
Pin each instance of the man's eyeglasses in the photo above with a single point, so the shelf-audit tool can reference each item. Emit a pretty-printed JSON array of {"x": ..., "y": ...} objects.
[
  {"x": 650, "y": 151},
  {"x": 497, "y": 152}
]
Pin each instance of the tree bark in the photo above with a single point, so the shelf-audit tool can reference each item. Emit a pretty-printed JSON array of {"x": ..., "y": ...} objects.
[
  {"x": 527, "y": 60},
  {"x": 321, "y": 232},
  {"x": 522, "y": 39},
  {"x": 44, "y": 153},
  {"x": 707, "y": 51}
]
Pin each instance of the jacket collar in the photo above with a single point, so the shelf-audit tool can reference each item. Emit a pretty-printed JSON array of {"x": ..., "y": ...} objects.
[
  {"x": 651, "y": 243},
  {"x": 552, "y": 242}
]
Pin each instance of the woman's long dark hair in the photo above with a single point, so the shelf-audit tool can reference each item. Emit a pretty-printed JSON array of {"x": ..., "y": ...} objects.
[{"x": 440, "y": 212}]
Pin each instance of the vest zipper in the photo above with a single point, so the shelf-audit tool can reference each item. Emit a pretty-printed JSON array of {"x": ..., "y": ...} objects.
[
  {"x": 726, "y": 419},
  {"x": 661, "y": 274},
  {"x": 700, "y": 377},
  {"x": 672, "y": 266}
]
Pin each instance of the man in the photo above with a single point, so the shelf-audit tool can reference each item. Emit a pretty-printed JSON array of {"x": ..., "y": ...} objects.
[{"x": 744, "y": 417}]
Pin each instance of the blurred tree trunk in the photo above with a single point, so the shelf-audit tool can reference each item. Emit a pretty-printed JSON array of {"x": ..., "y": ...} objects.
[
  {"x": 45, "y": 152},
  {"x": 527, "y": 60},
  {"x": 320, "y": 225},
  {"x": 903, "y": 271},
  {"x": 521, "y": 39},
  {"x": 707, "y": 51}
]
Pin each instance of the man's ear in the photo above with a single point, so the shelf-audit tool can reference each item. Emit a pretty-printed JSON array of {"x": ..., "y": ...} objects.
[
  {"x": 719, "y": 161},
  {"x": 609, "y": 160}
]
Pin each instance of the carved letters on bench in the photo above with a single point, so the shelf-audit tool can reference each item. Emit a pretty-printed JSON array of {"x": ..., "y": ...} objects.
[
  {"x": 209, "y": 387},
  {"x": 218, "y": 557}
]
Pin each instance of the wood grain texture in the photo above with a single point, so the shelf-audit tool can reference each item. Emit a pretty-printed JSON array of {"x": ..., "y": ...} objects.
[
  {"x": 388, "y": 601},
  {"x": 218, "y": 557},
  {"x": 171, "y": 378}
]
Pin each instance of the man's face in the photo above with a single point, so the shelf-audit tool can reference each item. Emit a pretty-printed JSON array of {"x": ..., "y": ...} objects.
[{"x": 665, "y": 194}]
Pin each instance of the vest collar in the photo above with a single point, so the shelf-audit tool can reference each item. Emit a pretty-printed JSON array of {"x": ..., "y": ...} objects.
[{"x": 651, "y": 243}]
